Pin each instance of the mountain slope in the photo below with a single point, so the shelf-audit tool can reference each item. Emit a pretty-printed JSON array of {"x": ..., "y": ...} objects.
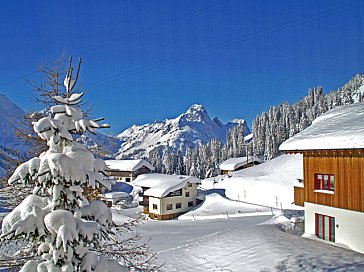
[
  {"x": 101, "y": 144},
  {"x": 11, "y": 148},
  {"x": 190, "y": 129},
  {"x": 10, "y": 114}
]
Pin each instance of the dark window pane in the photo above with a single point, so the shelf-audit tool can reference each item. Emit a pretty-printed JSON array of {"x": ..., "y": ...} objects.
[
  {"x": 332, "y": 182},
  {"x": 326, "y": 182},
  {"x": 319, "y": 226},
  {"x": 332, "y": 229}
]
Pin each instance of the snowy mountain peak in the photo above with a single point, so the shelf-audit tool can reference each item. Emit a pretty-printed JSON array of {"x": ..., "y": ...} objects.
[
  {"x": 197, "y": 108},
  {"x": 196, "y": 113},
  {"x": 190, "y": 129}
]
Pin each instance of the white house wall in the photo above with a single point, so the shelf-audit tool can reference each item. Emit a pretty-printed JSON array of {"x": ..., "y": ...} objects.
[
  {"x": 124, "y": 179},
  {"x": 154, "y": 200},
  {"x": 349, "y": 225},
  {"x": 162, "y": 203}
]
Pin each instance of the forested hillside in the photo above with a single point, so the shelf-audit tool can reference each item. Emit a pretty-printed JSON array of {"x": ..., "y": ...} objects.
[
  {"x": 273, "y": 127},
  {"x": 269, "y": 130}
]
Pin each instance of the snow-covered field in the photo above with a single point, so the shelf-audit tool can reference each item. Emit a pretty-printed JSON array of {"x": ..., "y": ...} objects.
[
  {"x": 216, "y": 206},
  {"x": 241, "y": 244}
]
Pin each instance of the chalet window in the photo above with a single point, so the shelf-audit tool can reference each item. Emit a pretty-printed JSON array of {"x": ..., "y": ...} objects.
[
  {"x": 169, "y": 207},
  {"x": 190, "y": 203},
  {"x": 178, "y": 205},
  {"x": 324, "y": 182},
  {"x": 175, "y": 193},
  {"x": 145, "y": 202},
  {"x": 325, "y": 227},
  {"x": 187, "y": 194},
  {"x": 155, "y": 207},
  {"x": 127, "y": 179},
  {"x": 189, "y": 184}
]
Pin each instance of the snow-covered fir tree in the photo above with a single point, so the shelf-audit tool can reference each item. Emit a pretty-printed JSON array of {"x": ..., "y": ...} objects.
[{"x": 65, "y": 231}]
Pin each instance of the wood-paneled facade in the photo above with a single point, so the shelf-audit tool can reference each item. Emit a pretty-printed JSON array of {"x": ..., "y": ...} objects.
[
  {"x": 117, "y": 174},
  {"x": 347, "y": 166}
]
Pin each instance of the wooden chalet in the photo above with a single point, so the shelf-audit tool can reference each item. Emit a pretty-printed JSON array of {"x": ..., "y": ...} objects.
[
  {"x": 332, "y": 189},
  {"x": 128, "y": 170},
  {"x": 236, "y": 164}
]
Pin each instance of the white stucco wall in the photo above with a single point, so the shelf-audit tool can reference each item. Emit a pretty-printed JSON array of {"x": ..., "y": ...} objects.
[
  {"x": 118, "y": 178},
  {"x": 349, "y": 229},
  {"x": 162, "y": 203},
  {"x": 153, "y": 200}
]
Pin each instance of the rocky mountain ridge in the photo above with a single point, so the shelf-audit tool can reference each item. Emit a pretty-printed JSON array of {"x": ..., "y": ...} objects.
[{"x": 190, "y": 129}]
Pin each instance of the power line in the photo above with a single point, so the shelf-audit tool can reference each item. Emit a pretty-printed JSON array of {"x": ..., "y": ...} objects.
[
  {"x": 169, "y": 21},
  {"x": 218, "y": 45},
  {"x": 18, "y": 78}
]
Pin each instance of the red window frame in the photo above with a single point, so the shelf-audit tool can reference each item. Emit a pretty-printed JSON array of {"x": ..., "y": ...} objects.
[
  {"x": 320, "y": 183},
  {"x": 323, "y": 233}
]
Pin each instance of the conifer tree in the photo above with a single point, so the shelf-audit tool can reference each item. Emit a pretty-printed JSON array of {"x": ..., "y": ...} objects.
[{"x": 65, "y": 232}]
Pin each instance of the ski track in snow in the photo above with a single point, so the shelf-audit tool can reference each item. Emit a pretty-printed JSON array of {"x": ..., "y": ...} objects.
[
  {"x": 189, "y": 245},
  {"x": 238, "y": 244}
]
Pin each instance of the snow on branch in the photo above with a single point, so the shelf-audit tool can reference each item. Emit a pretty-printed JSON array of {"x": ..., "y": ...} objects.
[{"x": 55, "y": 219}]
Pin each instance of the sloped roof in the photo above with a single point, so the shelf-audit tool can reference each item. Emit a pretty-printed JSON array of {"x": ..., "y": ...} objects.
[
  {"x": 160, "y": 185},
  {"x": 127, "y": 165},
  {"x": 234, "y": 163},
  {"x": 339, "y": 128}
]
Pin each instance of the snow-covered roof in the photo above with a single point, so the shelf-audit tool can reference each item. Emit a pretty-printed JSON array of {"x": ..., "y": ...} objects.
[
  {"x": 340, "y": 128},
  {"x": 127, "y": 165},
  {"x": 160, "y": 185},
  {"x": 234, "y": 163},
  {"x": 115, "y": 195}
]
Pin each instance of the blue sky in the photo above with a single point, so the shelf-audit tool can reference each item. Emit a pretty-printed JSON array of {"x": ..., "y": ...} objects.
[{"x": 149, "y": 60}]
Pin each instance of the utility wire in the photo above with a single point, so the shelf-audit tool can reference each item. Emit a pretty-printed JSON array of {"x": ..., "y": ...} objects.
[
  {"x": 169, "y": 21},
  {"x": 219, "y": 45},
  {"x": 152, "y": 27},
  {"x": 18, "y": 78}
]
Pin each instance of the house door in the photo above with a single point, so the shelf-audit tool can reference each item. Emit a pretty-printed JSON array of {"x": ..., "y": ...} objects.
[{"x": 325, "y": 227}]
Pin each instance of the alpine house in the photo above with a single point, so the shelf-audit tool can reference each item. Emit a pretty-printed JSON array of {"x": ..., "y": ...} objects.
[
  {"x": 128, "y": 170},
  {"x": 332, "y": 190},
  {"x": 236, "y": 164},
  {"x": 167, "y": 196}
]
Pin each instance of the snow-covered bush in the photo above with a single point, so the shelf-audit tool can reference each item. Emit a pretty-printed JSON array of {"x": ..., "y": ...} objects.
[{"x": 65, "y": 233}]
